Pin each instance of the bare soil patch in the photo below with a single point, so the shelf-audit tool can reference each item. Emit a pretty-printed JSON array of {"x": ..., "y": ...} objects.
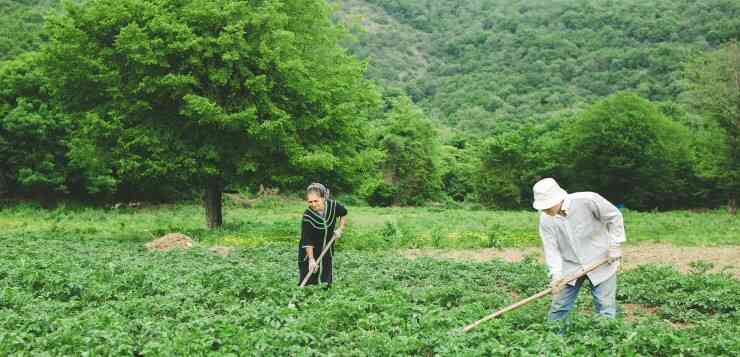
[
  {"x": 636, "y": 312},
  {"x": 633, "y": 312},
  {"x": 725, "y": 258}
]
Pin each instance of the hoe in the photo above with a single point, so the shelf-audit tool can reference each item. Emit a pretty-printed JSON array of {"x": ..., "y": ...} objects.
[
  {"x": 326, "y": 249},
  {"x": 534, "y": 297}
]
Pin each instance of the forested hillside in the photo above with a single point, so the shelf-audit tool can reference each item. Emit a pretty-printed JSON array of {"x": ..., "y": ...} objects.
[
  {"x": 473, "y": 64},
  {"x": 21, "y": 22}
]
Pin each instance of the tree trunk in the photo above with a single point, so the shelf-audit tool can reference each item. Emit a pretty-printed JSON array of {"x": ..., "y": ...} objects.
[
  {"x": 3, "y": 186},
  {"x": 212, "y": 201},
  {"x": 45, "y": 198},
  {"x": 732, "y": 205}
]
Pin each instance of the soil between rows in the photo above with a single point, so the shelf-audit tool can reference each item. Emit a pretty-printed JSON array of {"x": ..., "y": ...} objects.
[{"x": 725, "y": 258}]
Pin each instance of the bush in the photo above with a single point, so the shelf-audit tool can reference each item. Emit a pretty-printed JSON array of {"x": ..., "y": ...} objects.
[{"x": 382, "y": 196}]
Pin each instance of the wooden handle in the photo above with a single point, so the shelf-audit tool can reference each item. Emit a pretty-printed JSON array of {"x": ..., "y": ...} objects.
[
  {"x": 326, "y": 249},
  {"x": 534, "y": 297}
]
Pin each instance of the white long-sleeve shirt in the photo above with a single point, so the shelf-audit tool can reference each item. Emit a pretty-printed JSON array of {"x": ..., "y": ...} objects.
[{"x": 589, "y": 226}]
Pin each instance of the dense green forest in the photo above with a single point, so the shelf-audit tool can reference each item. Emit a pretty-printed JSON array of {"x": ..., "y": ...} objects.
[
  {"x": 472, "y": 60},
  {"x": 21, "y": 24},
  {"x": 472, "y": 101}
]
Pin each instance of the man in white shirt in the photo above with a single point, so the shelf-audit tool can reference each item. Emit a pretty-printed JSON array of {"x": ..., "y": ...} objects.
[{"x": 578, "y": 229}]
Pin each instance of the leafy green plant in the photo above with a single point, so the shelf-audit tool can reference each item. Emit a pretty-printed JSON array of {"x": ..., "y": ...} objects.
[{"x": 112, "y": 297}]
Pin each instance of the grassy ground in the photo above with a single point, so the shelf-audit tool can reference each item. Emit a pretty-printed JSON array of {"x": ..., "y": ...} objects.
[{"x": 276, "y": 221}]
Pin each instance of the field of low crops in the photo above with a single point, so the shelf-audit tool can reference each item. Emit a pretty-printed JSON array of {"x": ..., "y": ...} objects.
[{"x": 79, "y": 281}]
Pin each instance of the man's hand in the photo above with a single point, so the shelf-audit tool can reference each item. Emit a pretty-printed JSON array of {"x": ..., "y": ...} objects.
[
  {"x": 614, "y": 254},
  {"x": 338, "y": 233},
  {"x": 557, "y": 284},
  {"x": 312, "y": 265}
]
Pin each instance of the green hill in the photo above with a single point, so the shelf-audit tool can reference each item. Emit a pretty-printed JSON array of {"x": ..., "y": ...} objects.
[{"x": 472, "y": 64}]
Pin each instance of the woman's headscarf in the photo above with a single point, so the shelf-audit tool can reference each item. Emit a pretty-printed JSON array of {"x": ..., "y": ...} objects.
[{"x": 319, "y": 189}]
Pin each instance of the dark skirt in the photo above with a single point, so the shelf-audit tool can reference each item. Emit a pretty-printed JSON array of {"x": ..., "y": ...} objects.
[{"x": 325, "y": 270}]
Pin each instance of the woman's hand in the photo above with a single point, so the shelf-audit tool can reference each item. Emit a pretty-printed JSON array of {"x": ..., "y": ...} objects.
[{"x": 312, "y": 265}]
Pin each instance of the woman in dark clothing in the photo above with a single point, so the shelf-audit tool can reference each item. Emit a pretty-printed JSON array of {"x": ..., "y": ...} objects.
[{"x": 324, "y": 219}]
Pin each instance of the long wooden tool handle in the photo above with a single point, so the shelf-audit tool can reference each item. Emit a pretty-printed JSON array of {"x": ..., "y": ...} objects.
[
  {"x": 534, "y": 297},
  {"x": 326, "y": 249}
]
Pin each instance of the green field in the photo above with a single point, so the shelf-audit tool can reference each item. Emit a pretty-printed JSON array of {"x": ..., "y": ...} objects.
[{"x": 79, "y": 281}]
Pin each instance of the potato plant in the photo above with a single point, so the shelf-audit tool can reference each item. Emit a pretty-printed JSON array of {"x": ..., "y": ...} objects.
[{"x": 112, "y": 297}]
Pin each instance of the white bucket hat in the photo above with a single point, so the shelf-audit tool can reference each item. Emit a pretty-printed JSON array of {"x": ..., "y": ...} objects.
[{"x": 547, "y": 193}]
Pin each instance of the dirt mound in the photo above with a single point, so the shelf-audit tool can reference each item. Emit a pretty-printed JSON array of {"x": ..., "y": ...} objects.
[{"x": 170, "y": 241}]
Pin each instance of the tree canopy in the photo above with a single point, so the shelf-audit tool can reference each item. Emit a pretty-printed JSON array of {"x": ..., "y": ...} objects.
[{"x": 205, "y": 93}]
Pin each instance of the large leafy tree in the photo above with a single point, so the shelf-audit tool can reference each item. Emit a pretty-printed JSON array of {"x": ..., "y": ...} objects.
[
  {"x": 714, "y": 90},
  {"x": 512, "y": 161},
  {"x": 625, "y": 149},
  {"x": 32, "y": 131},
  {"x": 204, "y": 93},
  {"x": 459, "y": 168},
  {"x": 411, "y": 144}
]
